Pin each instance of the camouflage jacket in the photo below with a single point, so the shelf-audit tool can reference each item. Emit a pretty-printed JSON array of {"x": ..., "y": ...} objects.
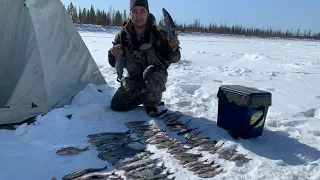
[{"x": 152, "y": 49}]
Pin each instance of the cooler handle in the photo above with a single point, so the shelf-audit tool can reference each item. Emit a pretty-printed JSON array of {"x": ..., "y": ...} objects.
[{"x": 237, "y": 135}]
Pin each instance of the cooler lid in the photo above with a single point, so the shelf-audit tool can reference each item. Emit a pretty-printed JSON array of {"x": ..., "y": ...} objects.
[{"x": 244, "y": 96}]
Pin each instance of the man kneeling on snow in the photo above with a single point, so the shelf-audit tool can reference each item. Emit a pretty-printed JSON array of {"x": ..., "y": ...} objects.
[{"x": 148, "y": 53}]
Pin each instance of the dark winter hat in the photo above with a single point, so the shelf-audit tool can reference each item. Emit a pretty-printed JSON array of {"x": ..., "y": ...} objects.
[{"x": 143, "y": 3}]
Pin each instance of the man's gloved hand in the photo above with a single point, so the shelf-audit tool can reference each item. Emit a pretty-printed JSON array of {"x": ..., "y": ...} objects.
[
  {"x": 174, "y": 43},
  {"x": 116, "y": 50}
]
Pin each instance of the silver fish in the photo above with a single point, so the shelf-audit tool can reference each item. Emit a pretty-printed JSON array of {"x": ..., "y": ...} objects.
[
  {"x": 109, "y": 141},
  {"x": 107, "y": 138},
  {"x": 137, "y": 164},
  {"x": 119, "y": 143},
  {"x": 203, "y": 141},
  {"x": 90, "y": 136},
  {"x": 82, "y": 172},
  {"x": 149, "y": 171},
  {"x": 135, "y": 158},
  {"x": 126, "y": 152},
  {"x": 184, "y": 131},
  {"x": 227, "y": 154},
  {"x": 71, "y": 150},
  {"x": 206, "y": 147},
  {"x": 240, "y": 158},
  {"x": 192, "y": 135},
  {"x": 192, "y": 163},
  {"x": 214, "y": 150},
  {"x": 186, "y": 155},
  {"x": 169, "y": 24},
  {"x": 161, "y": 140},
  {"x": 178, "y": 150},
  {"x": 210, "y": 174},
  {"x": 194, "y": 139},
  {"x": 188, "y": 160},
  {"x": 173, "y": 119},
  {"x": 206, "y": 169},
  {"x": 135, "y": 123},
  {"x": 196, "y": 167},
  {"x": 177, "y": 128},
  {"x": 159, "y": 136},
  {"x": 178, "y": 123},
  {"x": 98, "y": 176},
  {"x": 169, "y": 144},
  {"x": 168, "y": 114}
]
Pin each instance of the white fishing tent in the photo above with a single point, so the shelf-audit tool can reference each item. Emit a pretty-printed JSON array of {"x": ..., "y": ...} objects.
[{"x": 43, "y": 59}]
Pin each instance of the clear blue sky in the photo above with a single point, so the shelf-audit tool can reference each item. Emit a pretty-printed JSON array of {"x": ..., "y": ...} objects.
[{"x": 284, "y": 14}]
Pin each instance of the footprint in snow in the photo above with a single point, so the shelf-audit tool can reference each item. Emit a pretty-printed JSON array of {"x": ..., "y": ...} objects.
[
  {"x": 315, "y": 133},
  {"x": 218, "y": 81},
  {"x": 311, "y": 113},
  {"x": 271, "y": 89},
  {"x": 190, "y": 89}
]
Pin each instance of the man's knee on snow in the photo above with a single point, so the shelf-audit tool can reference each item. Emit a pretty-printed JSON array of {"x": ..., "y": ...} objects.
[
  {"x": 125, "y": 100},
  {"x": 155, "y": 77}
]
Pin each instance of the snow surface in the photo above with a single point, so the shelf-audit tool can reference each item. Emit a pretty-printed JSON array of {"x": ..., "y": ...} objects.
[{"x": 288, "y": 149}]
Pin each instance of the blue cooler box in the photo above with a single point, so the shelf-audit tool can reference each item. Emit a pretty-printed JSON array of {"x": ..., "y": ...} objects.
[{"x": 242, "y": 110}]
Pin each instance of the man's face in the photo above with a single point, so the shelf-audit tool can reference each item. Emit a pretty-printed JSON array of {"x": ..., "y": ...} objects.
[{"x": 139, "y": 16}]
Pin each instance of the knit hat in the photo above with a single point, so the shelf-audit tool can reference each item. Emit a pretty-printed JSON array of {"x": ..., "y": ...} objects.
[{"x": 143, "y": 3}]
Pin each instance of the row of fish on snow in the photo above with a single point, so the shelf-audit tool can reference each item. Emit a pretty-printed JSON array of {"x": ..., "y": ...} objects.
[{"x": 140, "y": 164}]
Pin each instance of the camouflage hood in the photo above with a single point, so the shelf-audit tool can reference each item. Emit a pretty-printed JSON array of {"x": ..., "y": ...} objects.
[{"x": 151, "y": 23}]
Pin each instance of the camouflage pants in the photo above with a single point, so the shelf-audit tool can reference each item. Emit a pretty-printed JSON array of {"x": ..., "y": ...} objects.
[{"x": 147, "y": 91}]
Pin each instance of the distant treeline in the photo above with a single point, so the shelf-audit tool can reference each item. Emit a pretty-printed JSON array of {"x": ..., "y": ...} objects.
[{"x": 116, "y": 18}]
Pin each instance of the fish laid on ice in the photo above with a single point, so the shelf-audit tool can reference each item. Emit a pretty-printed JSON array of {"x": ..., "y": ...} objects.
[
  {"x": 181, "y": 156},
  {"x": 99, "y": 176},
  {"x": 150, "y": 171},
  {"x": 82, "y": 172},
  {"x": 192, "y": 163},
  {"x": 169, "y": 144},
  {"x": 157, "y": 141},
  {"x": 135, "y": 123},
  {"x": 178, "y": 123},
  {"x": 206, "y": 147},
  {"x": 137, "y": 164},
  {"x": 107, "y": 138},
  {"x": 178, "y": 149},
  {"x": 125, "y": 152},
  {"x": 177, "y": 128},
  {"x": 194, "y": 139},
  {"x": 214, "y": 150},
  {"x": 192, "y": 135},
  {"x": 110, "y": 141},
  {"x": 137, "y": 157},
  {"x": 71, "y": 150},
  {"x": 204, "y": 141},
  {"x": 228, "y": 154},
  {"x": 240, "y": 158},
  {"x": 160, "y": 136},
  {"x": 184, "y": 131},
  {"x": 207, "y": 169},
  {"x": 210, "y": 174},
  {"x": 196, "y": 167},
  {"x": 90, "y": 136},
  {"x": 188, "y": 160}
]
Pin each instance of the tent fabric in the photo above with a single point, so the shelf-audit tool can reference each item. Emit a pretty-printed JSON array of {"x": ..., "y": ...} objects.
[{"x": 43, "y": 59}]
